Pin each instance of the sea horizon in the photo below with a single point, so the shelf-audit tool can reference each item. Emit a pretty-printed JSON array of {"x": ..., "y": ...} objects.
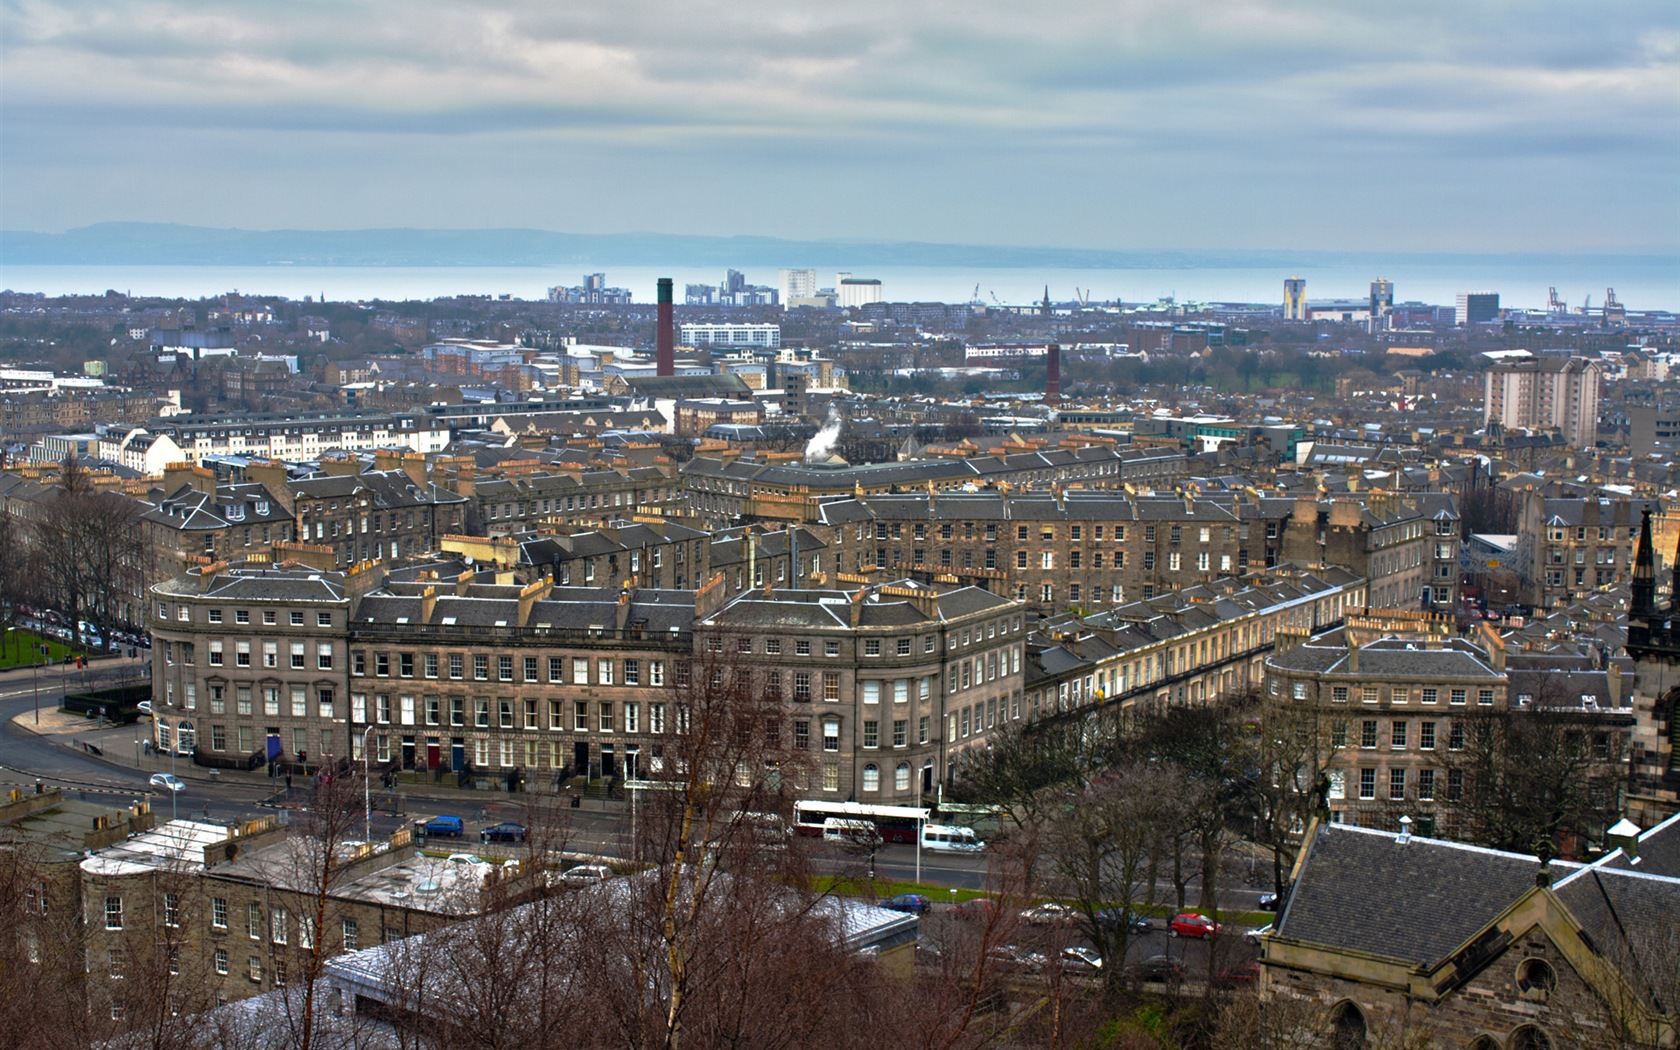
[{"x": 1641, "y": 283}]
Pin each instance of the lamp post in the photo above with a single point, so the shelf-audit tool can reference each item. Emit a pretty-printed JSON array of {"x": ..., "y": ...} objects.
[{"x": 367, "y": 790}]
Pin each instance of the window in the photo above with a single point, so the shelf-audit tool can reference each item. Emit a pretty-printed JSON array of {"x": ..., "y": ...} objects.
[
  {"x": 604, "y": 672},
  {"x": 254, "y": 921},
  {"x": 1426, "y": 784},
  {"x": 872, "y": 647},
  {"x": 904, "y": 647},
  {"x": 504, "y": 668},
  {"x": 1397, "y": 733},
  {"x": 481, "y": 666},
  {"x": 1397, "y": 784},
  {"x": 871, "y": 777},
  {"x": 632, "y": 672},
  {"x": 529, "y": 666},
  {"x": 218, "y": 914},
  {"x": 172, "y": 909},
  {"x": 831, "y": 734},
  {"x": 1367, "y": 783},
  {"x": 1338, "y": 694},
  {"x": 1426, "y": 736},
  {"x": 1455, "y": 785},
  {"x": 831, "y": 685},
  {"x": 831, "y": 648},
  {"x": 1368, "y": 694},
  {"x": 351, "y": 935},
  {"x": 901, "y": 732},
  {"x": 773, "y": 646},
  {"x": 324, "y": 658},
  {"x": 221, "y": 961},
  {"x": 455, "y": 665},
  {"x": 1455, "y": 738},
  {"x": 1484, "y": 697},
  {"x": 871, "y": 733},
  {"x": 802, "y": 647},
  {"x": 1458, "y": 696},
  {"x": 278, "y": 927},
  {"x": 1430, "y": 696},
  {"x": 113, "y": 913}
]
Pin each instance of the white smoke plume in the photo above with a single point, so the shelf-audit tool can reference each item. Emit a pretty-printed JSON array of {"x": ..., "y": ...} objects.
[{"x": 823, "y": 442}]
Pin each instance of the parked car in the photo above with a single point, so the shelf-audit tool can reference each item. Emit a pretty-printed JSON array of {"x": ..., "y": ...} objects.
[
  {"x": 168, "y": 782},
  {"x": 467, "y": 860},
  {"x": 1080, "y": 959},
  {"x": 1268, "y": 902},
  {"x": 911, "y": 903},
  {"x": 1048, "y": 914},
  {"x": 1255, "y": 936},
  {"x": 1116, "y": 916},
  {"x": 980, "y": 908},
  {"x": 584, "y": 874},
  {"x": 1238, "y": 975},
  {"x": 443, "y": 827},
  {"x": 508, "y": 831},
  {"x": 1157, "y": 968},
  {"x": 144, "y": 707},
  {"x": 1193, "y": 924},
  {"x": 1015, "y": 957}
]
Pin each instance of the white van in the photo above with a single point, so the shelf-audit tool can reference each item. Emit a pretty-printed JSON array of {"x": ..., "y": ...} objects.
[
  {"x": 852, "y": 832},
  {"x": 949, "y": 838}
]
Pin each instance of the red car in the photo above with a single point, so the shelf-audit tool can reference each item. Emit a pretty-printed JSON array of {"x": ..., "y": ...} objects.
[
  {"x": 1193, "y": 924},
  {"x": 978, "y": 908}
]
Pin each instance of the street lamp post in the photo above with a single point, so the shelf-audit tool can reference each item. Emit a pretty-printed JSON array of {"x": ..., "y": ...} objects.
[{"x": 367, "y": 790}]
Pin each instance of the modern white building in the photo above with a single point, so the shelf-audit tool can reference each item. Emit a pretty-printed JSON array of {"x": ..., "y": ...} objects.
[
  {"x": 765, "y": 335},
  {"x": 801, "y": 284}
]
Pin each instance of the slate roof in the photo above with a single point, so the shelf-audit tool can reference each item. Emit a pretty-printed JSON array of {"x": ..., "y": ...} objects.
[{"x": 1363, "y": 890}]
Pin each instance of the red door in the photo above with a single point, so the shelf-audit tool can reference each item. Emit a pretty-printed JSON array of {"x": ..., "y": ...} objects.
[{"x": 431, "y": 754}]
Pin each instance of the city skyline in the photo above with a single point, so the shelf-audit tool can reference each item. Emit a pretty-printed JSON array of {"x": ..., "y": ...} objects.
[{"x": 1117, "y": 126}]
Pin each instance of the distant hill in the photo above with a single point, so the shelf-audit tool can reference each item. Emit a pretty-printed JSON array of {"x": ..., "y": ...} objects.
[{"x": 163, "y": 244}]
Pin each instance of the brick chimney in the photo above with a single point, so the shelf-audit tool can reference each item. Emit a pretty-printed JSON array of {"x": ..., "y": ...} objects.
[{"x": 665, "y": 358}]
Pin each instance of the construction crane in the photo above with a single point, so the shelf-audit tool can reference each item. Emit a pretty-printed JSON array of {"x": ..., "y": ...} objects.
[
  {"x": 975, "y": 298},
  {"x": 1554, "y": 305},
  {"x": 995, "y": 299},
  {"x": 1084, "y": 297}
]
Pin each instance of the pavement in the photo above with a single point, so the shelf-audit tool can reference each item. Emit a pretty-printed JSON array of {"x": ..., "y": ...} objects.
[{"x": 129, "y": 747}]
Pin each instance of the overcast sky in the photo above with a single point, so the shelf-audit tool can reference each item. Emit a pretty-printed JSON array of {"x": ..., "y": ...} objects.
[{"x": 1471, "y": 125}]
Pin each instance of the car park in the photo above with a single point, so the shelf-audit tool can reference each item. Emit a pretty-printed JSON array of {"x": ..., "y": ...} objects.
[
  {"x": 1193, "y": 924},
  {"x": 507, "y": 831},
  {"x": 910, "y": 903},
  {"x": 168, "y": 782}
]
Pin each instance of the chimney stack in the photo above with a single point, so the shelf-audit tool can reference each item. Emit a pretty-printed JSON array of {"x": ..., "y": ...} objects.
[
  {"x": 665, "y": 358},
  {"x": 1053, "y": 375}
]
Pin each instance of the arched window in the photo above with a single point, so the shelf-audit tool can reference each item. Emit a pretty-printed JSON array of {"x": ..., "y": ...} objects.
[
  {"x": 1529, "y": 1037},
  {"x": 1536, "y": 979},
  {"x": 901, "y": 777},
  {"x": 871, "y": 777},
  {"x": 184, "y": 738},
  {"x": 1483, "y": 1042},
  {"x": 163, "y": 735},
  {"x": 1347, "y": 1027}
]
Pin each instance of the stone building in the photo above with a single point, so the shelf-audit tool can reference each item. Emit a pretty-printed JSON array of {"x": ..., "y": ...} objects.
[
  {"x": 1187, "y": 647},
  {"x": 522, "y": 686},
  {"x": 1653, "y": 640},
  {"x": 375, "y": 515},
  {"x": 1570, "y": 547},
  {"x": 1396, "y": 937},
  {"x": 1083, "y": 550},
  {"x": 887, "y": 684},
  {"x": 574, "y": 496}
]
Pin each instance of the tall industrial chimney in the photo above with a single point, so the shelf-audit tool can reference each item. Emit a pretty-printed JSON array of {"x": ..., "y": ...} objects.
[
  {"x": 665, "y": 356},
  {"x": 1053, "y": 375}
]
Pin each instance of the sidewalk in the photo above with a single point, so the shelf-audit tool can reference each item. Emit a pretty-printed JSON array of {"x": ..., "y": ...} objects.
[{"x": 126, "y": 746}]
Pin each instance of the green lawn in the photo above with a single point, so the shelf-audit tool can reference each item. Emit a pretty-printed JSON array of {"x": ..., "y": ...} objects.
[{"x": 18, "y": 649}]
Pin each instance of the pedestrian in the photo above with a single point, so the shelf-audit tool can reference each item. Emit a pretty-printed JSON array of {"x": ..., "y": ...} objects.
[{"x": 288, "y": 782}]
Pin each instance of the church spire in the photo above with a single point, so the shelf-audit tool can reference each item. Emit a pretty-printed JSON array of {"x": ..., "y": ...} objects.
[{"x": 1644, "y": 599}]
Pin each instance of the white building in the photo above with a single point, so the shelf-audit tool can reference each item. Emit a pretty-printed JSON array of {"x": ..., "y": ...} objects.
[
  {"x": 855, "y": 291},
  {"x": 801, "y": 284},
  {"x": 765, "y": 335}
]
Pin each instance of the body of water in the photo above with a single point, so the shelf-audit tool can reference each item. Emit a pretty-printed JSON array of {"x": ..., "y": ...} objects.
[{"x": 1640, "y": 284}]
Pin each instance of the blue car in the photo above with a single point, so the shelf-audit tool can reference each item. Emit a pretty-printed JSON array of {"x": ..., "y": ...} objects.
[{"x": 912, "y": 903}]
